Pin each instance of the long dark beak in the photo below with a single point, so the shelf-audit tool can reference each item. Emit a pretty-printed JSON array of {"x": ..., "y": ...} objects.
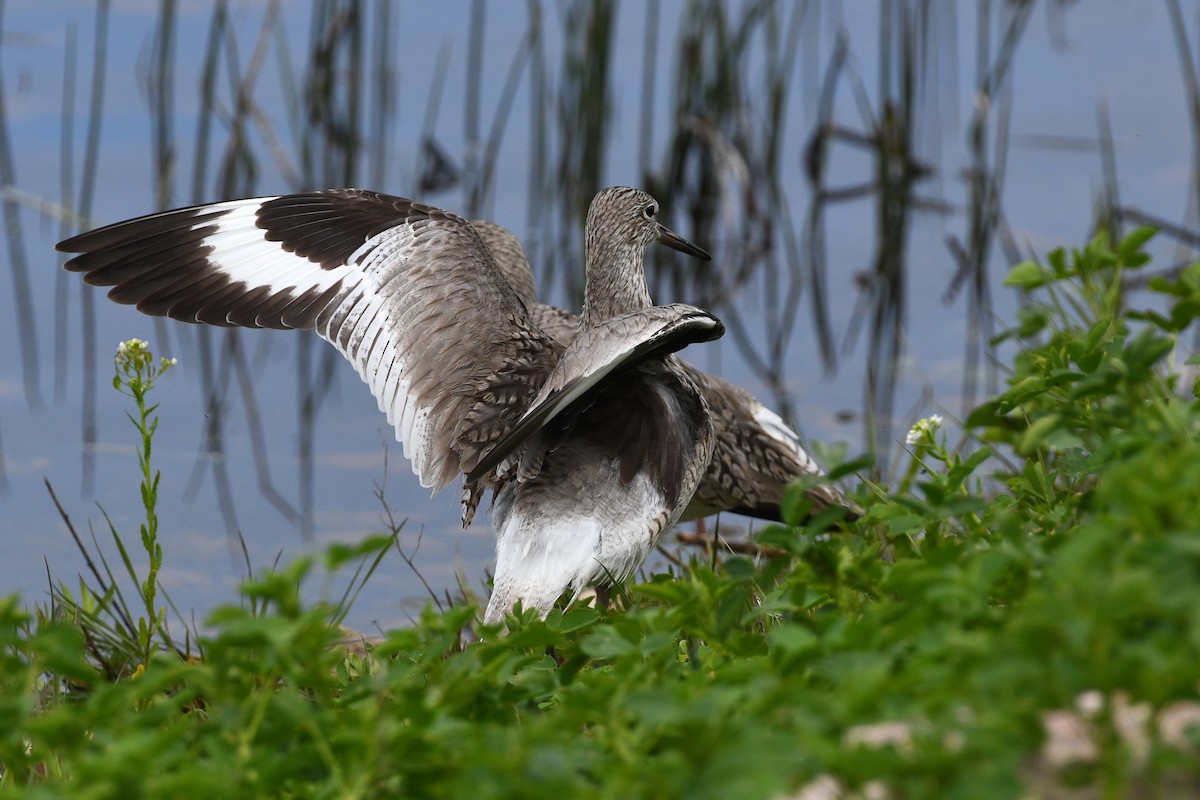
[{"x": 676, "y": 242}]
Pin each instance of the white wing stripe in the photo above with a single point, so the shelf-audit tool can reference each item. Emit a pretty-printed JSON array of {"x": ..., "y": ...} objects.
[
  {"x": 243, "y": 255},
  {"x": 774, "y": 425}
]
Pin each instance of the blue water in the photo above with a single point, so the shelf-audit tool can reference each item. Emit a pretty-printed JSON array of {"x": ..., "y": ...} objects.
[{"x": 1120, "y": 54}]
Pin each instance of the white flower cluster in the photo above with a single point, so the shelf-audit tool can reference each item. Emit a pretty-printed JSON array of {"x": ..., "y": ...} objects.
[
  {"x": 923, "y": 431},
  {"x": 136, "y": 353},
  {"x": 132, "y": 351}
]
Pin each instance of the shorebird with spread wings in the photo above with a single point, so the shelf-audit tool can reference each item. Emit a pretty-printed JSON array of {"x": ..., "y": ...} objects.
[{"x": 593, "y": 448}]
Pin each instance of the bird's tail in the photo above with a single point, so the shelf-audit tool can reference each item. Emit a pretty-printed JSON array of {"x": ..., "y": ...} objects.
[{"x": 537, "y": 559}]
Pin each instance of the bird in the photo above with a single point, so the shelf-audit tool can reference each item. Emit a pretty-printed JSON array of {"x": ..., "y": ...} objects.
[
  {"x": 591, "y": 449},
  {"x": 756, "y": 453}
]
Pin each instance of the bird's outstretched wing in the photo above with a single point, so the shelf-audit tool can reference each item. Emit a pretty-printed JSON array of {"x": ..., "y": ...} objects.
[{"x": 407, "y": 292}]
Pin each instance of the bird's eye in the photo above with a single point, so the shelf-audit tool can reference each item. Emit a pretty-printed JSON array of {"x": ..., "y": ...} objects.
[{"x": 649, "y": 211}]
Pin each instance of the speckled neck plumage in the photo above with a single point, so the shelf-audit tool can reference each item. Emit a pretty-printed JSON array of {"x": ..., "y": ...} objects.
[{"x": 615, "y": 251}]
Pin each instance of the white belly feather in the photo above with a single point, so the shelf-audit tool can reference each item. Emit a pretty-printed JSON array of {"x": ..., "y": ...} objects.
[{"x": 545, "y": 546}]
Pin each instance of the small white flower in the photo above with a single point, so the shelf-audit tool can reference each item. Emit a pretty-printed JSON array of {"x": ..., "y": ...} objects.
[
  {"x": 1090, "y": 703},
  {"x": 924, "y": 429}
]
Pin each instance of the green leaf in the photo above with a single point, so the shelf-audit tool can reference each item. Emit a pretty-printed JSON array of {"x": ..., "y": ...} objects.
[
  {"x": 1057, "y": 259},
  {"x": 863, "y": 462},
  {"x": 796, "y": 505},
  {"x": 793, "y": 639},
  {"x": 1027, "y": 275},
  {"x": 1154, "y": 318},
  {"x": 1037, "y": 432},
  {"x": 1130, "y": 248},
  {"x": 1026, "y": 388},
  {"x": 338, "y": 554},
  {"x": 985, "y": 414},
  {"x": 606, "y": 643},
  {"x": 976, "y": 458},
  {"x": 578, "y": 617}
]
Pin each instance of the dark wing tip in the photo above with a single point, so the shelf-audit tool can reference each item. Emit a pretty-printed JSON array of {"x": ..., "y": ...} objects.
[{"x": 764, "y": 511}]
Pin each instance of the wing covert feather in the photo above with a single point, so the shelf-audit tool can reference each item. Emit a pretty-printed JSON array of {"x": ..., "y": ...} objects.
[{"x": 598, "y": 352}]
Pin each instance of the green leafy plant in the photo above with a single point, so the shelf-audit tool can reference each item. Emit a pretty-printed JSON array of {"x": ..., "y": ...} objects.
[
  {"x": 136, "y": 374},
  {"x": 122, "y": 641}
]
